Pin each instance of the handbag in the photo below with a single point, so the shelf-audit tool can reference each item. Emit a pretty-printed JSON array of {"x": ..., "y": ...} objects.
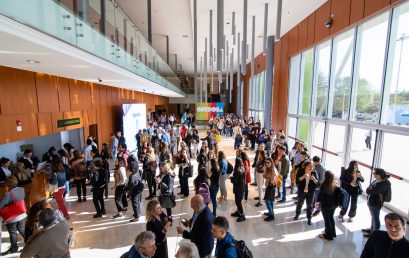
[
  {"x": 167, "y": 201},
  {"x": 188, "y": 171},
  {"x": 13, "y": 210}
]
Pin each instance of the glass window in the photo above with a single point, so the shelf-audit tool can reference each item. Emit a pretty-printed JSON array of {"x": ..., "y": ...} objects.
[
  {"x": 291, "y": 131},
  {"x": 368, "y": 74},
  {"x": 303, "y": 130},
  {"x": 294, "y": 84},
  {"x": 318, "y": 131},
  {"x": 335, "y": 146},
  {"x": 307, "y": 60},
  {"x": 341, "y": 69},
  {"x": 393, "y": 161},
  {"x": 362, "y": 146},
  {"x": 396, "y": 99},
  {"x": 321, "y": 79}
]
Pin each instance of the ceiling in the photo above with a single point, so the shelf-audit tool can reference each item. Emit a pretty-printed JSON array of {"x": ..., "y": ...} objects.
[
  {"x": 19, "y": 44},
  {"x": 175, "y": 19}
]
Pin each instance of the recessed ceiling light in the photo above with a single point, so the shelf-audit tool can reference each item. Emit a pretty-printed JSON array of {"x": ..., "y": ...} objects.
[
  {"x": 185, "y": 36},
  {"x": 32, "y": 61},
  {"x": 227, "y": 22}
]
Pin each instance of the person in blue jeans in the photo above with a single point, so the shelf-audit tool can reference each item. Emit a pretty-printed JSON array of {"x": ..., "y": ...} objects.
[{"x": 214, "y": 175}]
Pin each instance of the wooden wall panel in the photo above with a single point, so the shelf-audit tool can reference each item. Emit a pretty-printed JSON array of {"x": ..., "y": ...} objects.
[
  {"x": 76, "y": 94},
  {"x": 357, "y": 11},
  {"x": 47, "y": 92},
  {"x": 92, "y": 117},
  {"x": 29, "y": 126},
  {"x": 19, "y": 95},
  {"x": 64, "y": 94},
  {"x": 322, "y": 14},
  {"x": 340, "y": 10},
  {"x": 374, "y": 6},
  {"x": 311, "y": 29},
  {"x": 293, "y": 41},
  {"x": 8, "y": 129},
  {"x": 57, "y": 116},
  {"x": 86, "y": 102},
  {"x": 302, "y": 34},
  {"x": 395, "y": 1},
  {"x": 103, "y": 97},
  {"x": 95, "y": 96},
  {"x": 74, "y": 114},
  {"x": 45, "y": 125}
]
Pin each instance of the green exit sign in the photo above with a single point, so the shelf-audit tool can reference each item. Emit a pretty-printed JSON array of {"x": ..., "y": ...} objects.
[{"x": 68, "y": 122}]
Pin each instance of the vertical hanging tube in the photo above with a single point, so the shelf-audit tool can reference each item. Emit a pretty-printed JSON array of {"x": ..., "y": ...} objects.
[
  {"x": 167, "y": 49},
  {"x": 233, "y": 27},
  {"x": 201, "y": 79},
  {"x": 238, "y": 103},
  {"x": 231, "y": 74},
  {"x": 244, "y": 54},
  {"x": 205, "y": 72},
  {"x": 278, "y": 23},
  {"x": 211, "y": 35},
  {"x": 150, "y": 22},
  {"x": 253, "y": 39},
  {"x": 220, "y": 33},
  {"x": 265, "y": 28},
  {"x": 195, "y": 85}
]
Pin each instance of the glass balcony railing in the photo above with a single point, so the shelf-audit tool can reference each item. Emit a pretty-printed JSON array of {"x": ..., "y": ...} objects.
[{"x": 107, "y": 33}]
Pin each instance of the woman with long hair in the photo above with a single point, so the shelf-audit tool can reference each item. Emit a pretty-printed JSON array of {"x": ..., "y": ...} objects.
[
  {"x": 246, "y": 162},
  {"x": 259, "y": 168},
  {"x": 328, "y": 199},
  {"x": 150, "y": 171},
  {"x": 58, "y": 169},
  {"x": 221, "y": 158},
  {"x": 270, "y": 176},
  {"x": 166, "y": 182},
  {"x": 239, "y": 180},
  {"x": 120, "y": 184},
  {"x": 377, "y": 192},
  {"x": 214, "y": 174},
  {"x": 158, "y": 223},
  {"x": 351, "y": 180},
  {"x": 307, "y": 181},
  {"x": 184, "y": 163}
]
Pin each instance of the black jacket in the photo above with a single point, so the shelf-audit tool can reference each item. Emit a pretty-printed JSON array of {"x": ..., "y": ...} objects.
[
  {"x": 166, "y": 186},
  {"x": 346, "y": 179},
  {"x": 133, "y": 182},
  {"x": 239, "y": 180},
  {"x": 301, "y": 183},
  {"x": 98, "y": 178},
  {"x": 376, "y": 191},
  {"x": 380, "y": 245},
  {"x": 328, "y": 200},
  {"x": 201, "y": 232}
]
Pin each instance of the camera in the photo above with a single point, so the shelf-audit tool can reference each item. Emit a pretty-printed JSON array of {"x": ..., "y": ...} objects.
[{"x": 99, "y": 80}]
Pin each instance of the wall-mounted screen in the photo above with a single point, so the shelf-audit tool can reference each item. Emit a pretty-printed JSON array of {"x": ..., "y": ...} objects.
[{"x": 134, "y": 118}]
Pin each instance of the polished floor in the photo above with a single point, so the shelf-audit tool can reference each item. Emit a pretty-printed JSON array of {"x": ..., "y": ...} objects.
[{"x": 284, "y": 237}]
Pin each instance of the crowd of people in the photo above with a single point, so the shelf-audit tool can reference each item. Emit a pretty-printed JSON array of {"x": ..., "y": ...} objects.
[{"x": 166, "y": 150}]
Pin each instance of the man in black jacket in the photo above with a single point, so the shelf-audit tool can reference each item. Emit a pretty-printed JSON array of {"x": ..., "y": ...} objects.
[
  {"x": 200, "y": 227},
  {"x": 135, "y": 188},
  {"x": 391, "y": 243}
]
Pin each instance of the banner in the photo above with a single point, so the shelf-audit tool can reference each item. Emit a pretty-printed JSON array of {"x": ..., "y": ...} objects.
[{"x": 206, "y": 110}]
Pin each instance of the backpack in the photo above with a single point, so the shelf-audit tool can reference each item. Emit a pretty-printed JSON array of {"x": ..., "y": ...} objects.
[
  {"x": 204, "y": 192},
  {"x": 343, "y": 198},
  {"x": 261, "y": 138},
  {"x": 387, "y": 196},
  {"x": 242, "y": 250},
  {"x": 229, "y": 168},
  {"x": 80, "y": 170}
]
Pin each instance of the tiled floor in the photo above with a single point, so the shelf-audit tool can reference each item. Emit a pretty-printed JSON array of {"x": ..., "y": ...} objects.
[{"x": 108, "y": 237}]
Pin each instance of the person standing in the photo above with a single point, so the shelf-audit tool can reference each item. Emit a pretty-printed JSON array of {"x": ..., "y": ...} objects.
[
  {"x": 98, "y": 182},
  {"x": 144, "y": 246},
  {"x": 351, "y": 180},
  {"x": 165, "y": 182},
  {"x": 79, "y": 167},
  {"x": 158, "y": 223},
  {"x": 223, "y": 166},
  {"x": 391, "y": 243},
  {"x": 259, "y": 168},
  {"x": 328, "y": 200},
  {"x": 120, "y": 184},
  {"x": 239, "y": 180},
  {"x": 214, "y": 174},
  {"x": 284, "y": 170},
  {"x": 377, "y": 192},
  {"x": 307, "y": 181},
  {"x": 200, "y": 225},
  {"x": 135, "y": 189},
  {"x": 270, "y": 176},
  {"x": 150, "y": 173},
  {"x": 225, "y": 247},
  {"x": 57, "y": 169},
  {"x": 246, "y": 163},
  {"x": 321, "y": 176},
  {"x": 14, "y": 195},
  {"x": 121, "y": 139}
]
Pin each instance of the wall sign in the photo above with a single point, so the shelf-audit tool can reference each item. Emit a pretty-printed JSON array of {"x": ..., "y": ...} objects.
[
  {"x": 68, "y": 122},
  {"x": 206, "y": 110}
]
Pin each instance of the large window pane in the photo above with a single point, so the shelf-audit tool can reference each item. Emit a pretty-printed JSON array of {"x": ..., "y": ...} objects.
[
  {"x": 335, "y": 144},
  {"x": 341, "y": 79},
  {"x": 303, "y": 130},
  {"x": 369, "y": 63},
  {"x": 321, "y": 79},
  {"x": 307, "y": 60},
  {"x": 291, "y": 131},
  {"x": 396, "y": 100},
  {"x": 294, "y": 84},
  {"x": 318, "y": 130},
  {"x": 362, "y": 147}
]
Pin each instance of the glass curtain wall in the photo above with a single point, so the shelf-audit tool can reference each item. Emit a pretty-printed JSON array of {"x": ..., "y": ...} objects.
[
  {"x": 256, "y": 97},
  {"x": 349, "y": 99}
]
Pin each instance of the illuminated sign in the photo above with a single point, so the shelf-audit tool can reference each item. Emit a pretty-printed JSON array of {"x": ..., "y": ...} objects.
[{"x": 204, "y": 111}]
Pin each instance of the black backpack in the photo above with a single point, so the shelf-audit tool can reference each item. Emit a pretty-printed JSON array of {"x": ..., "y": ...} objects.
[
  {"x": 242, "y": 250},
  {"x": 387, "y": 196},
  {"x": 229, "y": 168}
]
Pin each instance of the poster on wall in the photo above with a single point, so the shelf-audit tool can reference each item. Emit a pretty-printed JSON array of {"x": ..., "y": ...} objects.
[
  {"x": 134, "y": 118},
  {"x": 206, "y": 110}
]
